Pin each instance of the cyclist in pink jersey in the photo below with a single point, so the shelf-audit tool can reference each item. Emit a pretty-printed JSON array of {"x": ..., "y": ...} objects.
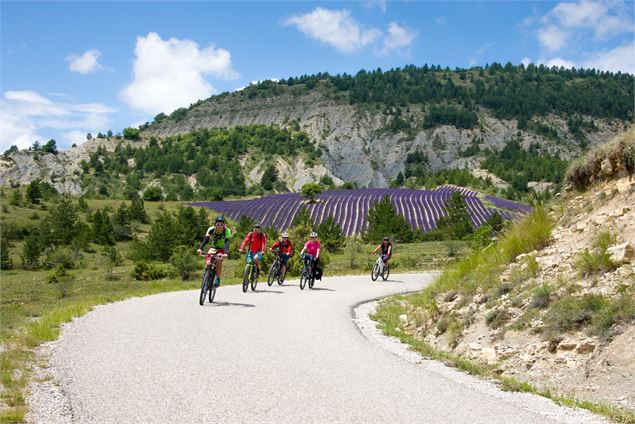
[{"x": 312, "y": 248}]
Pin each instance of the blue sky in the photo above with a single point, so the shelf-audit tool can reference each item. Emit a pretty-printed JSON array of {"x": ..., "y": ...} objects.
[{"x": 69, "y": 68}]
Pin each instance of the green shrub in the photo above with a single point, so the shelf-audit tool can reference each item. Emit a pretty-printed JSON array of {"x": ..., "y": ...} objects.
[
  {"x": 144, "y": 271},
  {"x": 572, "y": 313},
  {"x": 186, "y": 263},
  {"x": 62, "y": 280},
  {"x": 497, "y": 318},
  {"x": 541, "y": 297}
]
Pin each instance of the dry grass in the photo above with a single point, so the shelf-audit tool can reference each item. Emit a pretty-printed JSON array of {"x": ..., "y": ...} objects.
[{"x": 620, "y": 153}]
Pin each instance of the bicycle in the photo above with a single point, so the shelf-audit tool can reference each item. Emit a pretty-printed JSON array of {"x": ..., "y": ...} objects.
[
  {"x": 307, "y": 274},
  {"x": 207, "y": 283},
  {"x": 379, "y": 269},
  {"x": 249, "y": 276},
  {"x": 274, "y": 270}
]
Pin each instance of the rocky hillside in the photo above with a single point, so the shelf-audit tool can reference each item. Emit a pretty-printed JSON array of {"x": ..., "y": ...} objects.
[{"x": 562, "y": 316}]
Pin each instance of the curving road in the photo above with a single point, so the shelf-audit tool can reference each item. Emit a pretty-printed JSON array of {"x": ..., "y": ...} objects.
[{"x": 279, "y": 355}]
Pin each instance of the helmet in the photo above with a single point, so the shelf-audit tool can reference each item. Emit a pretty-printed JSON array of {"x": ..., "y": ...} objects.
[
  {"x": 285, "y": 235},
  {"x": 256, "y": 225},
  {"x": 219, "y": 219},
  {"x": 386, "y": 239},
  {"x": 313, "y": 234}
]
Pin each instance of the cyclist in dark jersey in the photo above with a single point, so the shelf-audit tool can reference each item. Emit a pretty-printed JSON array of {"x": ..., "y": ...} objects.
[
  {"x": 219, "y": 234},
  {"x": 386, "y": 250}
]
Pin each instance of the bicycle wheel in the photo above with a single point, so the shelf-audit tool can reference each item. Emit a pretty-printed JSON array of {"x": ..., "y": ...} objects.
[
  {"x": 246, "y": 278},
  {"x": 303, "y": 278},
  {"x": 311, "y": 281},
  {"x": 212, "y": 293},
  {"x": 374, "y": 273},
  {"x": 204, "y": 287},
  {"x": 386, "y": 273},
  {"x": 272, "y": 274},
  {"x": 254, "y": 280}
]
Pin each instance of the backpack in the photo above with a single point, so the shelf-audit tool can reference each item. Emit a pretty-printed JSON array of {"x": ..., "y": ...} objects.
[{"x": 318, "y": 272}]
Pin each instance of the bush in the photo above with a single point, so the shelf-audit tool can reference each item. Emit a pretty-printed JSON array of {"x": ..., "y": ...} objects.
[
  {"x": 62, "y": 280},
  {"x": 184, "y": 260},
  {"x": 144, "y": 271},
  {"x": 332, "y": 237},
  {"x": 60, "y": 257},
  {"x": 541, "y": 297},
  {"x": 572, "y": 313},
  {"x": 597, "y": 260},
  {"x": 497, "y": 318},
  {"x": 153, "y": 194}
]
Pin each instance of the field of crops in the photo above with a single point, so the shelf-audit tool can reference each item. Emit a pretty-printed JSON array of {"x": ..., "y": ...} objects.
[{"x": 421, "y": 208}]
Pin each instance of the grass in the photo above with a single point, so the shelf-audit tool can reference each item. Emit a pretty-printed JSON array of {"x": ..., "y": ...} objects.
[
  {"x": 387, "y": 317},
  {"x": 596, "y": 261}
]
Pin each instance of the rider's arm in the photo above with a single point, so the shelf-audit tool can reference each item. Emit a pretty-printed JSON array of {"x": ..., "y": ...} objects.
[
  {"x": 376, "y": 249},
  {"x": 242, "y": 246},
  {"x": 206, "y": 238},
  {"x": 264, "y": 242},
  {"x": 389, "y": 250},
  {"x": 276, "y": 244},
  {"x": 317, "y": 254},
  {"x": 290, "y": 251}
]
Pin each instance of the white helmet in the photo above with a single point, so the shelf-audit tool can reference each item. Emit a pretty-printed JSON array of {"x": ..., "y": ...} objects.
[
  {"x": 313, "y": 234},
  {"x": 285, "y": 235}
]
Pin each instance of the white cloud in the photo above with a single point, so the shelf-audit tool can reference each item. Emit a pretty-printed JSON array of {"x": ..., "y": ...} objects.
[
  {"x": 621, "y": 58},
  {"x": 168, "y": 74},
  {"x": 381, "y": 4},
  {"x": 27, "y": 115},
  {"x": 336, "y": 28},
  {"x": 583, "y": 20},
  {"x": 399, "y": 39},
  {"x": 441, "y": 21},
  {"x": 552, "y": 38},
  {"x": 558, "y": 62},
  {"x": 75, "y": 136},
  {"x": 86, "y": 63},
  {"x": 526, "y": 61}
]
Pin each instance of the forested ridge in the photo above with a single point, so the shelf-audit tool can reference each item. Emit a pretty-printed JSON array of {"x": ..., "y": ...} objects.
[{"x": 452, "y": 96}]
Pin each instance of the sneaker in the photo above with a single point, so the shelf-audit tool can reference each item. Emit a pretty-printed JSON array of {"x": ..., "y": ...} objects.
[{"x": 217, "y": 282}]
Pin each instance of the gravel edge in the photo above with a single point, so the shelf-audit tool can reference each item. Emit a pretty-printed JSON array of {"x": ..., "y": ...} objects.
[{"x": 526, "y": 401}]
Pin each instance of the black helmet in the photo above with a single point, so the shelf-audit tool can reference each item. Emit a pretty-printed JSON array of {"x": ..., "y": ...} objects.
[{"x": 219, "y": 219}]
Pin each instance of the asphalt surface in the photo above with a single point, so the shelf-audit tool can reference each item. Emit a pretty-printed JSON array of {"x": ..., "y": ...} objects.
[{"x": 277, "y": 355}]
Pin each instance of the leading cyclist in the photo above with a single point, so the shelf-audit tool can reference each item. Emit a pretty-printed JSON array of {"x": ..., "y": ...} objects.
[{"x": 220, "y": 235}]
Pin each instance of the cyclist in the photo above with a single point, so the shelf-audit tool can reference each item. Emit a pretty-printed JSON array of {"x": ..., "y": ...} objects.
[
  {"x": 257, "y": 244},
  {"x": 312, "y": 248},
  {"x": 220, "y": 235},
  {"x": 386, "y": 250},
  {"x": 285, "y": 250}
]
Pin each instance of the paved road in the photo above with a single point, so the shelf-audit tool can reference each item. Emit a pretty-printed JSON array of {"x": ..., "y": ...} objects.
[{"x": 278, "y": 355}]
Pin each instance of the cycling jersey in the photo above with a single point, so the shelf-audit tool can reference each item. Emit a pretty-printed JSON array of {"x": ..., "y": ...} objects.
[
  {"x": 286, "y": 248},
  {"x": 219, "y": 240},
  {"x": 256, "y": 243},
  {"x": 312, "y": 247},
  {"x": 386, "y": 249}
]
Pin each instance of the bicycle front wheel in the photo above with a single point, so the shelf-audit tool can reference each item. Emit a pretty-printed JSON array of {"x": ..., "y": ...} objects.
[
  {"x": 303, "y": 278},
  {"x": 204, "y": 287},
  {"x": 246, "y": 279},
  {"x": 386, "y": 273},
  {"x": 212, "y": 294},
  {"x": 374, "y": 273},
  {"x": 272, "y": 275}
]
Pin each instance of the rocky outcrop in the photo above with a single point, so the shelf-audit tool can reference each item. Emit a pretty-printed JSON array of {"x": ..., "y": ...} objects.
[{"x": 355, "y": 143}]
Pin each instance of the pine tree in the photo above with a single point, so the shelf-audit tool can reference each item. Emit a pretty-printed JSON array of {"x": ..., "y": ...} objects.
[
  {"x": 102, "y": 228},
  {"x": 33, "y": 192},
  {"x": 384, "y": 221},
  {"x": 331, "y": 235},
  {"x": 137, "y": 210},
  {"x": 63, "y": 221},
  {"x": 457, "y": 224}
]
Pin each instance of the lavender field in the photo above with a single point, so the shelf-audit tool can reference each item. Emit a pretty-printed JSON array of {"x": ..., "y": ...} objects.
[{"x": 421, "y": 208}]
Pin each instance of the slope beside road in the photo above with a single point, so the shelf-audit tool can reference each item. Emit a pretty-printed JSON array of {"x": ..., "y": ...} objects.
[{"x": 277, "y": 355}]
